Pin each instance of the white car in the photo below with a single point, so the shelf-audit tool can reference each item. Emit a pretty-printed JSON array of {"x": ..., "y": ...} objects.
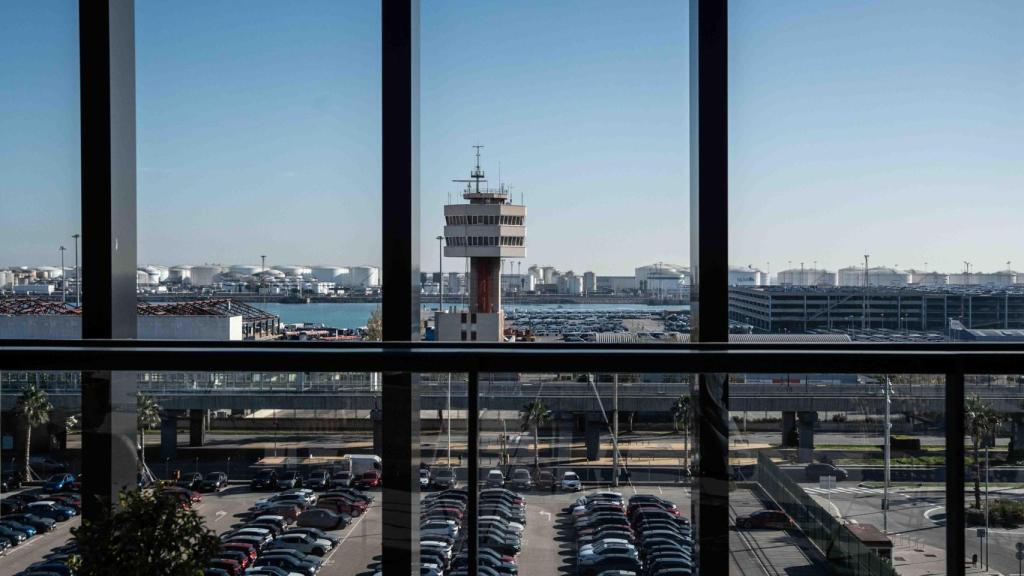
[
  {"x": 306, "y": 493},
  {"x": 445, "y": 548},
  {"x": 570, "y": 481},
  {"x": 281, "y": 499},
  {"x": 499, "y": 521},
  {"x": 600, "y": 546},
  {"x": 424, "y": 479},
  {"x": 302, "y": 543},
  {"x": 441, "y": 527}
]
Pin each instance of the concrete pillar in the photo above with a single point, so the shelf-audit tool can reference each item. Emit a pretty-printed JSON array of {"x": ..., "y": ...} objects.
[
  {"x": 593, "y": 440},
  {"x": 197, "y": 423},
  {"x": 789, "y": 429},
  {"x": 378, "y": 432},
  {"x": 805, "y": 429},
  {"x": 1016, "y": 449},
  {"x": 169, "y": 434}
]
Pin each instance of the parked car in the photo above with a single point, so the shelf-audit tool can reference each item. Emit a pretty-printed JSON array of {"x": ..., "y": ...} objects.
[
  {"x": 424, "y": 478},
  {"x": 50, "y": 509},
  {"x": 301, "y": 542},
  {"x": 38, "y": 522},
  {"x": 193, "y": 481},
  {"x": 58, "y": 482},
  {"x": 774, "y": 519},
  {"x": 318, "y": 480},
  {"x": 495, "y": 479},
  {"x": 571, "y": 482},
  {"x": 444, "y": 478},
  {"x": 521, "y": 479},
  {"x": 214, "y": 482},
  {"x": 10, "y": 481},
  {"x": 321, "y": 518},
  {"x": 343, "y": 478},
  {"x": 814, "y": 471},
  {"x": 342, "y": 505},
  {"x": 316, "y": 533},
  {"x": 369, "y": 479},
  {"x": 289, "y": 479},
  {"x": 265, "y": 479}
]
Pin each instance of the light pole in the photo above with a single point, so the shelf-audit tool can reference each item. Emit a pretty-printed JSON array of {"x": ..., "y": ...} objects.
[
  {"x": 63, "y": 280},
  {"x": 888, "y": 425},
  {"x": 440, "y": 279},
  {"x": 615, "y": 429},
  {"x": 78, "y": 280},
  {"x": 986, "y": 502},
  {"x": 263, "y": 262}
]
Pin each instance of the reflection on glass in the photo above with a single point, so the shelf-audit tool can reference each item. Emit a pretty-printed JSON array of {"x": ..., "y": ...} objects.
[{"x": 839, "y": 471}]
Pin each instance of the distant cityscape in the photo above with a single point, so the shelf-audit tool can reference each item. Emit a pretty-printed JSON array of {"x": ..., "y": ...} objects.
[{"x": 655, "y": 279}]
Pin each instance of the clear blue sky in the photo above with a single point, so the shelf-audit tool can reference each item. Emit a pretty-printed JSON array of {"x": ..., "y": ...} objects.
[{"x": 895, "y": 127}]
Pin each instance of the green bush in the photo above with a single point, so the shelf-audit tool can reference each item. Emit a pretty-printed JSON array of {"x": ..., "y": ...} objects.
[
  {"x": 904, "y": 443},
  {"x": 1002, "y": 514},
  {"x": 146, "y": 535}
]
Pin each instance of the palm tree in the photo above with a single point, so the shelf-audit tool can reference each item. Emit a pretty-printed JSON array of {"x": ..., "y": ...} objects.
[
  {"x": 147, "y": 415},
  {"x": 374, "y": 326},
  {"x": 682, "y": 419},
  {"x": 34, "y": 406},
  {"x": 533, "y": 416},
  {"x": 980, "y": 421}
]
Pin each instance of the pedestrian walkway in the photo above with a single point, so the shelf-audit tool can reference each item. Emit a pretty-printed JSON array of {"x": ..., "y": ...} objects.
[{"x": 847, "y": 490}]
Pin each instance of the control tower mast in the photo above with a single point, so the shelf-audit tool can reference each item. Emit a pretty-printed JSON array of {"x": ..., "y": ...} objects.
[{"x": 484, "y": 230}]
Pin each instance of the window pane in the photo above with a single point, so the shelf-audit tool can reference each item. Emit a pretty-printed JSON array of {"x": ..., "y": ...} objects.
[
  {"x": 813, "y": 447},
  {"x": 555, "y": 170},
  {"x": 873, "y": 158},
  {"x": 259, "y": 159},
  {"x": 40, "y": 186}
]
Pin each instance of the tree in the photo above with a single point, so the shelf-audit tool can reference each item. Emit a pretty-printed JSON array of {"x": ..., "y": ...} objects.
[
  {"x": 147, "y": 534},
  {"x": 374, "y": 327},
  {"x": 34, "y": 407},
  {"x": 147, "y": 415},
  {"x": 532, "y": 416},
  {"x": 682, "y": 420},
  {"x": 980, "y": 422}
]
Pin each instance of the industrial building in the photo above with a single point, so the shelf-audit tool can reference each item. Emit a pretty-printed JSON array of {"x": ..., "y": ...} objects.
[
  {"x": 662, "y": 278},
  {"x": 799, "y": 309}
]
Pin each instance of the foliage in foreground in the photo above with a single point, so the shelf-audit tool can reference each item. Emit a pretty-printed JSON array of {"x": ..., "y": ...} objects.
[
  {"x": 1002, "y": 513},
  {"x": 146, "y": 535}
]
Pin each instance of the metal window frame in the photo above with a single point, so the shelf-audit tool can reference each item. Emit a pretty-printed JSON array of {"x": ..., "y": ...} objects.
[{"x": 108, "y": 226}]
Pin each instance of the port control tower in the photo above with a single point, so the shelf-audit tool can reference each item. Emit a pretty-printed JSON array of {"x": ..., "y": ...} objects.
[{"x": 483, "y": 231}]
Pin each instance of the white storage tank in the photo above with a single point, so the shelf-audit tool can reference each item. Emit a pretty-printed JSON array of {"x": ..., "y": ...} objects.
[
  {"x": 204, "y": 275},
  {"x": 244, "y": 270},
  {"x": 363, "y": 276},
  {"x": 142, "y": 278},
  {"x": 180, "y": 273},
  {"x": 329, "y": 273},
  {"x": 295, "y": 271}
]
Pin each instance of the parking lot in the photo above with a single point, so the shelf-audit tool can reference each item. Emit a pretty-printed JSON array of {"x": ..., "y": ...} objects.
[{"x": 548, "y": 545}]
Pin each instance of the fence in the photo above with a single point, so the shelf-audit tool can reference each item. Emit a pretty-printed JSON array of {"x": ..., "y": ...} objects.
[{"x": 843, "y": 549}]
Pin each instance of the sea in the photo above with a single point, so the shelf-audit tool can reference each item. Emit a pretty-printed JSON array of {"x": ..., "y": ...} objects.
[{"x": 354, "y": 315}]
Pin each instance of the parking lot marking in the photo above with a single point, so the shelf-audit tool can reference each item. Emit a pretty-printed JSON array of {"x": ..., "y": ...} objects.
[
  {"x": 220, "y": 514},
  {"x": 351, "y": 529}
]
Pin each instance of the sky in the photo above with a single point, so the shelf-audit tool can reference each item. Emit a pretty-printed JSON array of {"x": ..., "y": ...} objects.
[{"x": 888, "y": 127}]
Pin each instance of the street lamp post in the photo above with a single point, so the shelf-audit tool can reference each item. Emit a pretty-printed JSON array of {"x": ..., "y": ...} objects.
[
  {"x": 888, "y": 425},
  {"x": 78, "y": 280},
  {"x": 63, "y": 280}
]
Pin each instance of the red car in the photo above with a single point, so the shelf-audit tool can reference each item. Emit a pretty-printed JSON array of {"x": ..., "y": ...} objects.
[
  {"x": 369, "y": 479},
  {"x": 230, "y": 566},
  {"x": 248, "y": 549},
  {"x": 766, "y": 519},
  {"x": 342, "y": 506}
]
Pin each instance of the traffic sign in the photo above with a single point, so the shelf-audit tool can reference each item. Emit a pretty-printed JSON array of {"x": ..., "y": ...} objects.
[
  {"x": 1020, "y": 546},
  {"x": 827, "y": 482}
]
